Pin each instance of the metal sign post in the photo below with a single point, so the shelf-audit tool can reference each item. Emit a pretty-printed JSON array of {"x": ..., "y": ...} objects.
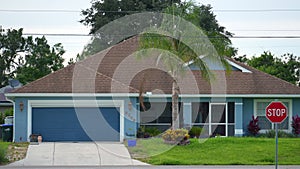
[{"x": 276, "y": 144}]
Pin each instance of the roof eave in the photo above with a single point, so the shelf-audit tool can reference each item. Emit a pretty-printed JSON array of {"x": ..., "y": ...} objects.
[{"x": 12, "y": 95}]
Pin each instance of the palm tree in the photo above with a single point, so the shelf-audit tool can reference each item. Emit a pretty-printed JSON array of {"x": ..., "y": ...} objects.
[{"x": 179, "y": 42}]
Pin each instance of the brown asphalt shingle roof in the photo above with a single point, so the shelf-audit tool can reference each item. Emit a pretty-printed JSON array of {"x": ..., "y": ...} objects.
[{"x": 114, "y": 70}]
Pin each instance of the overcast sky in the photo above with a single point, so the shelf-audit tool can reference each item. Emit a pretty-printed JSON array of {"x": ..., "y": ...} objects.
[{"x": 265, "y": 18}]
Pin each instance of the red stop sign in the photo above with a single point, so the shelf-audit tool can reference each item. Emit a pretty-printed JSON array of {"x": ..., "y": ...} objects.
[{"x": 276, "y": 112}]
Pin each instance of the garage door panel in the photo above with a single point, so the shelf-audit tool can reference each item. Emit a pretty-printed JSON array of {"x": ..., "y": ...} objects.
[{"x": 80, "y": 124}]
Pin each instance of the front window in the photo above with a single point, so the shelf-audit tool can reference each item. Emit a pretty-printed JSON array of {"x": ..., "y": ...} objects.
[
  {"x": 158, "y": 114},
  {"x": 215, "y": 118},
  {"x": 263, "y": 122}
]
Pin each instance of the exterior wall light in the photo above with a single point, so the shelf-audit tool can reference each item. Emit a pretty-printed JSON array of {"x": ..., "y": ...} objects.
[
  {"x": 21, "y": 106},
  {"x": 130, "y": 106}
]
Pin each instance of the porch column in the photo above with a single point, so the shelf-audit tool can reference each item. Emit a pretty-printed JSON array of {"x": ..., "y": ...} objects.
[{"x": 238, "y": 119}]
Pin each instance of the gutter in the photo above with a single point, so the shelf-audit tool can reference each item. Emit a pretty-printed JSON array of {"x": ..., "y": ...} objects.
[{"x": 13, "y": 95}]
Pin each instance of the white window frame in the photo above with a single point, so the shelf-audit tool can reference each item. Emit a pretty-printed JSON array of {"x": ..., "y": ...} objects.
[
  {"x": 209, "y": 120},
  {"x": 75, "y": 103},
  {"x": 290, "y": 110}
]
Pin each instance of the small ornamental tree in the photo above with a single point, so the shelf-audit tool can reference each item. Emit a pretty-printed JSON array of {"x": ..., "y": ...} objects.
[
  {"x": 296, "y": 125},
  {"x": 253, "y": 127}
]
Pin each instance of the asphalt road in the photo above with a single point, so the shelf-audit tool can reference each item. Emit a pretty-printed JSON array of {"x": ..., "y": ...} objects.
[{"x": 158, "y": 167}]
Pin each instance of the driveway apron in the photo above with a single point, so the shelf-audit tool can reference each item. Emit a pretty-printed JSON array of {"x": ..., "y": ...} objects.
[{"x": 77, "y": 154}]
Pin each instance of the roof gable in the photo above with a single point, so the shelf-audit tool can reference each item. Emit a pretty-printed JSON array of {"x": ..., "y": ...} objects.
[{"x": 218, "y": 66}]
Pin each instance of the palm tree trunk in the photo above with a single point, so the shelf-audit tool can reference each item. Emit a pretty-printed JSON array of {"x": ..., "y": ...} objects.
[{"x": 175, "y": 111}]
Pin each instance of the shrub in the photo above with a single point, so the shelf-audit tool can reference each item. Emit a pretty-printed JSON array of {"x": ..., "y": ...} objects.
[
  {"x": 2, "y": 118},
  {"x": 281, "y": 134},
  {"x": 140, "y": 132},
  {"x": 146, "y": 132},
  {"x": 3, "y": 158},
  {"x": 8, "y": 112},
  {"x": 253, "y": 127},
  {"x": 296, "y": 125},
  {"x": 195, "y": 131},
  {"x": 152, "y": 131},
  {"x": 178, "y": 136}
]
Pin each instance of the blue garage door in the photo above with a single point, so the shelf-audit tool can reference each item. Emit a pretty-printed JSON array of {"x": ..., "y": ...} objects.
[{"x": 76, "y": 124}]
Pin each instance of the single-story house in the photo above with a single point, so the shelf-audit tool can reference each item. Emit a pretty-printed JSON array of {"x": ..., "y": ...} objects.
[{"x": 99, "y": 98}]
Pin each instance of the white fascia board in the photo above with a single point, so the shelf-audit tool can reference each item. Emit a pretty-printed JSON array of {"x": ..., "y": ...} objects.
[
  {"x": 11, "y": 95},
  {"x": 238, "y": 67},
  {"x": 228, "y": 95},
  {"x": 71, "y": 95},
  {"x": 245, "y": 95}
]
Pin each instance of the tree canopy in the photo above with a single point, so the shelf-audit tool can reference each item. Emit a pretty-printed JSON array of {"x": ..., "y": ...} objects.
[
  {"x": 25, "y": 58},
  {"x": 203, "y": 17},
  {"x": 104, "y": 12},
  {"x": 286, "y": 67}
]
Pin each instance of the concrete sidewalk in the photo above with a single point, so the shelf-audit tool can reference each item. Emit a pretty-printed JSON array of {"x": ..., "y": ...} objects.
[{"x": 77, "y": 154}]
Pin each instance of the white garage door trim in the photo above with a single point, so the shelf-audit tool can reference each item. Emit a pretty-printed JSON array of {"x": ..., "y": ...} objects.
[{"x": 75, "y": 103}]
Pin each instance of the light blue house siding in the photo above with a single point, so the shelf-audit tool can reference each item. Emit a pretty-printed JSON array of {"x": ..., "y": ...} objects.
[
  {"x": 248, "y": 112},
  {"x": 243, "y": 111}
]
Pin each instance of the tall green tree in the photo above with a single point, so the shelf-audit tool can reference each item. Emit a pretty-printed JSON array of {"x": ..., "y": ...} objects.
[
  {"x": 106, "y": 11},
  {"x": 11, "y": 45},
  {"x": 25, "y": 58},
  {"x": 286, "y": 67}
]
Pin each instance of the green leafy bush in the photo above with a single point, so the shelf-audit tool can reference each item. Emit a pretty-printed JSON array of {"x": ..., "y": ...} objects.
[
  {"x": 178, "y": 136},
  {"x": 146, "y": 132},
  {"x": 195, "y": 132},
  {"x": 9, "y": 112},
  {"x": 152, "y": 131},
  {"x": 3, "y": 159},
  {"x": 2, "y": 118},
  {"x": 281, "y": 134}
]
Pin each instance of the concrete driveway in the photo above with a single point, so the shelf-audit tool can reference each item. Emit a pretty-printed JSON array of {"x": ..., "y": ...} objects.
[{"x": 77, "y": 154}]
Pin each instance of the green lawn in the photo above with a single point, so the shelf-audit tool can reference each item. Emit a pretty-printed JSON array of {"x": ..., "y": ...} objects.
[
  {"x": 3, "y": 149},
  {"x": 219, "y": 151}
]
